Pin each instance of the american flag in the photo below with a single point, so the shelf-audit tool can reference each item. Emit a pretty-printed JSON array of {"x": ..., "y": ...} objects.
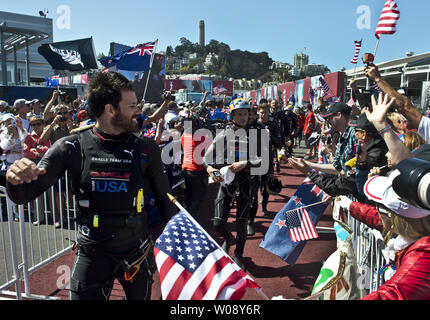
[
  {"x": 193, "y": 267},
  {"x": 376, "y": 87},
  {"x": 387, "y": 21},
  {"x": 300, "y": 225},
  {"x": 357, "y": 52},
  {"x": 325, "y": 86}
]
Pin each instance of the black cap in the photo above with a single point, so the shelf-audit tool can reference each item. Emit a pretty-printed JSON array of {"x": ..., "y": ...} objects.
[
  {"x": 336, "y": 108},
  {"x": 364, "y": 124}
]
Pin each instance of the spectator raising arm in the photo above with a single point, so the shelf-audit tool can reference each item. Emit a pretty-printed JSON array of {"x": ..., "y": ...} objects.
[
  {"x": 378, "y": 117},
  {"x": 401, "y": 103}
]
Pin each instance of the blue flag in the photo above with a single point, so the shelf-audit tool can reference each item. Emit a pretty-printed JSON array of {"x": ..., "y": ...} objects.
[
  {"x": 136, "y": 59},
  {"x": 278, "y": 239},
  {"x": 51, "y": 82}
]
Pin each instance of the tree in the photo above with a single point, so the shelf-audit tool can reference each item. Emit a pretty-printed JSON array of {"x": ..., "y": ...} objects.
[{"x": 169, "y": 51}]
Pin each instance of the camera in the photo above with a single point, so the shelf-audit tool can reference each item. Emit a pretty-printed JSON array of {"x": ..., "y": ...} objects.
[
  {"x": 368, "y": 58},
  {"x": 365, "y": 99},
  {"x": 13, "y": 123},
  {"x": 164, "y": 95},
  {"x": 413, "y": 183}
]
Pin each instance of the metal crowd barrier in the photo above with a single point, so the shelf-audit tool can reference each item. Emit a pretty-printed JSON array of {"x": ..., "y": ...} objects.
[
  {"x": 368, "y": 245},
  {"x": 26, "y": 248}
]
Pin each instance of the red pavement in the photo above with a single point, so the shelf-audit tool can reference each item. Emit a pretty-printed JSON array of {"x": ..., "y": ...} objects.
[{"x": 275, "y": 276}]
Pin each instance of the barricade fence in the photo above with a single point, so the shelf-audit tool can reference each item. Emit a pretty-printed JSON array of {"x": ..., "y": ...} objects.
[
  {"x": 368, "y": 246},
  {"x": 27, "y": 247}
]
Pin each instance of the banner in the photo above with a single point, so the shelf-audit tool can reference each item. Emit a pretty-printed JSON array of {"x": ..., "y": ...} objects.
[
  {"x": 223, "y": 88},
  {"x": 74, "y": 55},
  {"x": 425, "y": 99}
]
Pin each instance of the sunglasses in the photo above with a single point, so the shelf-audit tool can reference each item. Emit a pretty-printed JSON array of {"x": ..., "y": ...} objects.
[
  {"x": 38, "y": 124},
  {"x": 62, "y": 113}
]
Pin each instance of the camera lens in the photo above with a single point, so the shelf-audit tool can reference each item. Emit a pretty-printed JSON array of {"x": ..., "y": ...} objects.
[{"x": 413, "y": 182}]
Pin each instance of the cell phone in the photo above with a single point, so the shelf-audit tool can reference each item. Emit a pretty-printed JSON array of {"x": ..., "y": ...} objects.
[
  {"x": 216, "y": 174},
  {"x": 329, "y": 140}
]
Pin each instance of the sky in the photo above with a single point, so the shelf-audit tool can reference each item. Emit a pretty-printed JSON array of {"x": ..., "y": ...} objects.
[{"x": 325, "y": 30}]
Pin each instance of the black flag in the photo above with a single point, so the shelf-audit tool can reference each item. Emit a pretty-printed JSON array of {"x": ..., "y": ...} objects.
[{"x": 74, "y": 55}]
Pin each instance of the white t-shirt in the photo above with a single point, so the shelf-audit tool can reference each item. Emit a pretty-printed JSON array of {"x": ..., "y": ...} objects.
[
  {"x": 26, "y": 124},
  {"x": 424, "y": 129}
]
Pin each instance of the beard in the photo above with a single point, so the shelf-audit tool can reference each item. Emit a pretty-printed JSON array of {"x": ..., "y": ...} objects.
[{"x": 126, "y": 125}]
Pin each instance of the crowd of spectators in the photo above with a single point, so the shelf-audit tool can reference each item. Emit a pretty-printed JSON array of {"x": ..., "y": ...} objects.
[{"x": 358, "y": 148}]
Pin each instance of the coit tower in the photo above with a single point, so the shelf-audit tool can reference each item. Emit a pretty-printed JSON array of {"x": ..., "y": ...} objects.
[{"x": 202, "y": 33}]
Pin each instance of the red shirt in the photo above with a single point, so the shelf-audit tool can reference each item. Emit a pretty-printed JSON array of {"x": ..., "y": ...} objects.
[
  {"x": 189, "y": 145},
  {"x": 301, "y": 122},
  {"x": 33, "y": 146},
  {"x": 309, "y": 123}
]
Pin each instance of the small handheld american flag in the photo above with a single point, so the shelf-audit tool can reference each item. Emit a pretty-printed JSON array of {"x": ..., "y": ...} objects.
[{"x": 357, "y": 52}]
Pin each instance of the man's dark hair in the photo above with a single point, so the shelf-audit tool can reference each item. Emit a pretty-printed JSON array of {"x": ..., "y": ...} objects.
[{"x": 105, "y": 89}]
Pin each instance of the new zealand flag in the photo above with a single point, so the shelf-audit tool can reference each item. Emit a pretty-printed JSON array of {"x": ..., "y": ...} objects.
[
  {"x": 278, "y": 239},
  {"x": 136, "y": 59}
]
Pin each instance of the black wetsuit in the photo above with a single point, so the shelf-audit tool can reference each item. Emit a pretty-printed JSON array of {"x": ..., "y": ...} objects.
[
  {"x": 106, "y": 173},
  {"x": 275, "y": 142},
  {"x": 243, "y": 188}
]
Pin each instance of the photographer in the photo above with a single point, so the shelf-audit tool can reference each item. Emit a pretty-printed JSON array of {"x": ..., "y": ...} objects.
[
  {"x": 12, "y": 136},
  {"x": 60, "y": 126},
  {"x": 410, "y": 251},
  {"x": 341, "y": 179}
]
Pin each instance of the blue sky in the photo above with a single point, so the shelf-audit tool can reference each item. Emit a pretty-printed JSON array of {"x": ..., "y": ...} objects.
[{"x": 327, "y": 29}]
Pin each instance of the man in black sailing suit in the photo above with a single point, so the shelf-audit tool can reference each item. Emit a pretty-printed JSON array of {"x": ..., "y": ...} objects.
[
  {"x": 110, "y": 168},
  {"x": 237, "y": 153}
]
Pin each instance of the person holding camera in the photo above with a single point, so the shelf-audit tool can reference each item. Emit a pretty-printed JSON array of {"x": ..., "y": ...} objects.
[
  {"x": 60, "y": 127},
  {"x": 110, "y": 166},
  {"x": 12, "y": 136},
  {"x": 339, "y": 178}
]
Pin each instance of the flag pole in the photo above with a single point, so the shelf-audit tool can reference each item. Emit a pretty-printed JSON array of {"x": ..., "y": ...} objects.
[
  {"x": 377, "y": 46},
  {"x": 180, "y": 207},
  {"x": 150, "y": 68},
  {"x": 305, "y": 207}
]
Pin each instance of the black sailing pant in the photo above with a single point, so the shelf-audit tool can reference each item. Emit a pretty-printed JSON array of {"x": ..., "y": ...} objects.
[
  {"x": 93, "y": 277},
  {"x": 265, "y": 198},
  {"x": 195, "y": 191},
  {"x": 244, "y": 202}
]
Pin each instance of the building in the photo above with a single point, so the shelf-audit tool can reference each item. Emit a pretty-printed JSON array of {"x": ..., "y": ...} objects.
[
  {"x": 202, "y": 33},
  {"x": 311, "y": 70},
  {"x": 210, "y": 58},
  {"x": 300, "y": 60},
  {"x": 295, "y": 72},
  {"x": 407, "y": 74},
  {"x": 18, "y": 31}
]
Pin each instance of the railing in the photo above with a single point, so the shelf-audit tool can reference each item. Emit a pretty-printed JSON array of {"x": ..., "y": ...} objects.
[
  {"x": 26, "y": 248},
  {"x": 368, "y": 245}
]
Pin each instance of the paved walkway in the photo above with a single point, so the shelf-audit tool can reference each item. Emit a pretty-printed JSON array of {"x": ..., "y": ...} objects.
[{"x": 275, "y": 276}]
